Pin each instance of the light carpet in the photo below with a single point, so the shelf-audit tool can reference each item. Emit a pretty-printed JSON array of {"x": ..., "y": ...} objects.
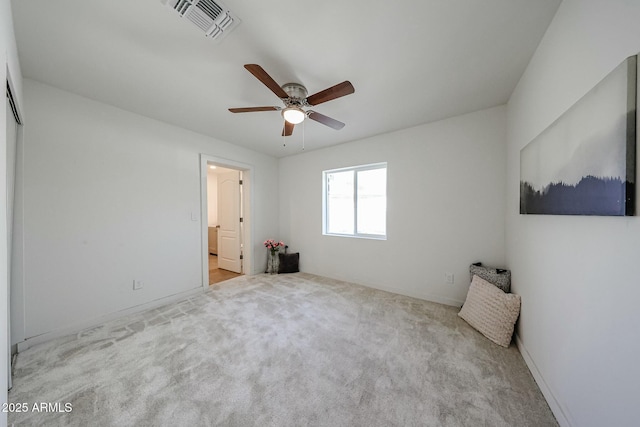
[{"x": 282, "y": 350}]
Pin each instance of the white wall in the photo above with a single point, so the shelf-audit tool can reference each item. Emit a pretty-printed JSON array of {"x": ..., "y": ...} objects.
[
  {"x": 9, "y": 47},
  {"x": 446, "y": 186},
  {"x": 108, "y": 198},
  {"x": 8, "y": 62},
  {"x": 578, "y": 276}
]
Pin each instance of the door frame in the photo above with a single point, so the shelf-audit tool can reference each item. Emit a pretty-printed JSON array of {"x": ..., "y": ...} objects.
[
  {"x": 247, "y": 208},
  {"x": 15, "y": 310}
]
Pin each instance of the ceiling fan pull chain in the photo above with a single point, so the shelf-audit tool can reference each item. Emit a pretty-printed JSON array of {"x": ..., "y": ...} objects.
[{"x": 303, "y": 126}]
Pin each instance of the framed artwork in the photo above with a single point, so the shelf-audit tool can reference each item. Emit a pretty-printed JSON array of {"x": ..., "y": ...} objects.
[{"x": 585, "y": 162}]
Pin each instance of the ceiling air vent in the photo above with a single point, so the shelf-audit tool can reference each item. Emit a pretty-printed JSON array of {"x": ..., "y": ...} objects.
[{"x": 213, "y": 18}]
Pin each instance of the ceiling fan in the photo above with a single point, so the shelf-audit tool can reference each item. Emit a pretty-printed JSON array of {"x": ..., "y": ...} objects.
[{"x": 294, "y": 96}]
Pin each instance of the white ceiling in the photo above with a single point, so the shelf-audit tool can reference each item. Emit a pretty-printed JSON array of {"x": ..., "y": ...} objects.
[{"x": 410, "y": 61}]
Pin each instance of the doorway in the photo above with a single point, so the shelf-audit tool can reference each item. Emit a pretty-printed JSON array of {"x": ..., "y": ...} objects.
[{"x": 225, "y": 220}]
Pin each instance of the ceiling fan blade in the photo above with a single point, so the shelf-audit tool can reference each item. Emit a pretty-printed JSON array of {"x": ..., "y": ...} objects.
[
  {"x": 287, "y": 130},
  {"x": 266, "y": 79},
  {"x": 341, "y": 89},
  {"x": 253, "y": 109},
  {"x": 325, "y": 120}
]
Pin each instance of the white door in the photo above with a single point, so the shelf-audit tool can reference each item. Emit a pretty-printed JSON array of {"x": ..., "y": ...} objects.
[{"x": 229, "y": 220}]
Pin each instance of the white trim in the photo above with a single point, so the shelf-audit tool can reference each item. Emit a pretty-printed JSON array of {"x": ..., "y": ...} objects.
[
  {"x": 86, "y": 324},
  {"x": 5, "y": 326},
  {"x": 359, "y": 168},
  {"x": 11, "y": 191},
  {"x": 419, "y": 295},
  {"x": 553, "y": 403},
  {"x": 247, "y": 193},
  {"x": 325, "y": 206}
]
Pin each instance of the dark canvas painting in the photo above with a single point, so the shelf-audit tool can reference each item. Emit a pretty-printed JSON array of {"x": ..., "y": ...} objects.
[{"x": 585, "y": 162}]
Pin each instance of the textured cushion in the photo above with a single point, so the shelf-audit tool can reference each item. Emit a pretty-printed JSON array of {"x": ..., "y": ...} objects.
[
  {"x": 491, "y": 311},
  {"x": 496, "y": 276},
  {"x": 288, "y": 263}
]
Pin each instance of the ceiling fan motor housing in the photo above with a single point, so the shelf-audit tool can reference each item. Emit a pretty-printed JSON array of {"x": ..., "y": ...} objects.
[{"x": 296, "y": 91}]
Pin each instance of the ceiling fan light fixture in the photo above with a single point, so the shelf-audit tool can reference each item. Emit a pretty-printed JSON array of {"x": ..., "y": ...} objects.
[{"x": 293, "y": 115}]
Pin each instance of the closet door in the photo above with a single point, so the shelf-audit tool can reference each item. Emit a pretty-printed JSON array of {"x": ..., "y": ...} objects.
[{"x": 9, "y": 152}]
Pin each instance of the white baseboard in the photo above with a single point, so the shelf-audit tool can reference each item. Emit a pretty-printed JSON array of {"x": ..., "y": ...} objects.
[
  {"x": 90, "y": 323},
  {"x": 420, "y": 295},
  {"x": 542, "y": 384}
]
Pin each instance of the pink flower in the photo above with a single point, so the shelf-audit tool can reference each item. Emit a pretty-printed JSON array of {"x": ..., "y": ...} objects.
[{"x": 273, "y": 245}]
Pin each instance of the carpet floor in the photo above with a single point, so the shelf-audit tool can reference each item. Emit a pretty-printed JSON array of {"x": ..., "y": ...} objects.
[{"x": 281, "y": 350}]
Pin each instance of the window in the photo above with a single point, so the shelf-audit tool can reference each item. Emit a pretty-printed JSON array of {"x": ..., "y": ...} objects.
[{"x": 355, "y": 201}]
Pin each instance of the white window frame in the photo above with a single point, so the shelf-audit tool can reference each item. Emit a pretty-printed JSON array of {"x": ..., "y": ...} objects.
[{"x": 325, "y": 207}]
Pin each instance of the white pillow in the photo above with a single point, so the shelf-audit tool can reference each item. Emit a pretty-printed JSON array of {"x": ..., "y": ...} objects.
[{"x": 491, "y": 311}]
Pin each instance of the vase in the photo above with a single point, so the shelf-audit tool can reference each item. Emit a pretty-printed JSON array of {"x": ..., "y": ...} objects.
[{"x": 272, "y": 262}]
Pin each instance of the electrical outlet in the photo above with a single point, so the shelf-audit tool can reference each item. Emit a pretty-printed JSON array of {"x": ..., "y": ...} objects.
[
  {"x": 449, "y": 278},
  {"x": 137, "y": 284}
]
